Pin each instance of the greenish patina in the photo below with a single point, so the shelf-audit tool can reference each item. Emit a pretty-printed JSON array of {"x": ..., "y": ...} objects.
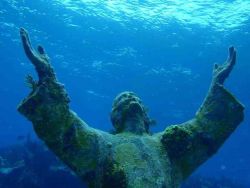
[{"x": 131, "y": 157}]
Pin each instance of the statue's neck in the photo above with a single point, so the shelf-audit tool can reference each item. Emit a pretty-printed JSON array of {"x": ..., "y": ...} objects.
[{"x": 135, "y": 126}]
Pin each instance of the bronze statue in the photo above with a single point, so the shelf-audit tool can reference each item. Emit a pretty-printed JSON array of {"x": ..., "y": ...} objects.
[{"x": 131, "y": 157}]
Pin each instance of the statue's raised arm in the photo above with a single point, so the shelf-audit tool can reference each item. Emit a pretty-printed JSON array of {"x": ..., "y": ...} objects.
[
  {"x": 192, "y": 143},
  {"x": 47, "y": 107}
]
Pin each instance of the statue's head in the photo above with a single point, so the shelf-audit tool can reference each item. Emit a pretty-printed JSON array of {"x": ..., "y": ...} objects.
[{"x": 129, "y": 114}]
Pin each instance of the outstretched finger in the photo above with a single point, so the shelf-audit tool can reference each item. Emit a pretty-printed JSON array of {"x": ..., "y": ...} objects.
[
  {"x": 41, "y": 50},
  {"x": 222, "y": 72},
  {"x": 39, "y": 59},
  {"x": 29, "y": 51},
  {"x": 230, "y": 64},
  {"x": 231, "y": 51},
  {"x": 232, "y": 59},
  {"x": 232, "y": 56}
]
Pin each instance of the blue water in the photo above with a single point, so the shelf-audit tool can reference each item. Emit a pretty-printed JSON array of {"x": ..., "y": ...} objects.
[{"x": 162, "y": 50}]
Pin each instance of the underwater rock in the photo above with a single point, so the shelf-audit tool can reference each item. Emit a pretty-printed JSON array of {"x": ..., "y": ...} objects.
[
  {"x": 208, "y": 182},
  {"x": 31, "y": 165}
]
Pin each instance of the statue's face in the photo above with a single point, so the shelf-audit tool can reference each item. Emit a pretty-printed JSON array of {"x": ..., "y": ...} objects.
[{"x": 129, "y": 114}]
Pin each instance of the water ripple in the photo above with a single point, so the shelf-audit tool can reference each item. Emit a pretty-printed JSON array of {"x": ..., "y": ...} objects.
[{"x": 219, "y": 15}]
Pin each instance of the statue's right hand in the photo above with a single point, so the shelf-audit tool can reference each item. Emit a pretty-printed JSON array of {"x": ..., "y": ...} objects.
[
  {"x": 47, "y": 91},
  {"x": 38, "y": 58}
]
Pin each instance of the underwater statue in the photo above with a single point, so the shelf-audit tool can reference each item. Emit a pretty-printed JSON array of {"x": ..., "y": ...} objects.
[{"x": 131, "y": 157}]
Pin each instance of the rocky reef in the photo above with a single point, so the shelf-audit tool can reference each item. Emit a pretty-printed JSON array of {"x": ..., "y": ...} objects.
[
  {"x": 32, "y": 165},
  {"x": 208, "y": 182}
]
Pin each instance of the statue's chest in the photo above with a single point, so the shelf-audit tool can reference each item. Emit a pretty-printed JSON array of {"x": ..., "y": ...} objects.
[{"x": 140, "y": 162}]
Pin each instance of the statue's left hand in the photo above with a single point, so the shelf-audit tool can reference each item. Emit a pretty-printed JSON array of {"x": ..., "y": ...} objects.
[{"x": 221, "y": 72}]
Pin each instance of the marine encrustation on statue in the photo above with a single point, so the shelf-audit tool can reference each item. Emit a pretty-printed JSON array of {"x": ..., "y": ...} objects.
[{"x": 131, "y": 157}]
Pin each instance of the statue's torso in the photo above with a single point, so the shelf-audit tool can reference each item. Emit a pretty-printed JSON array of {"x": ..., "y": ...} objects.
[{"x": 139, "y": 162}]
